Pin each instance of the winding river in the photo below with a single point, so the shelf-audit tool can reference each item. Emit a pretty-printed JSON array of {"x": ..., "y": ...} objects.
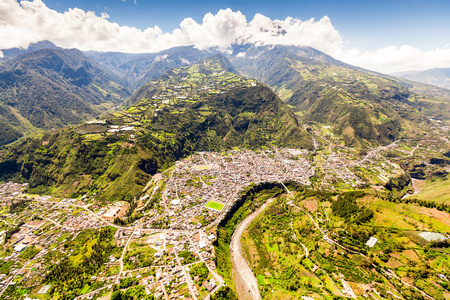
[{"x": 245, "y": 280}]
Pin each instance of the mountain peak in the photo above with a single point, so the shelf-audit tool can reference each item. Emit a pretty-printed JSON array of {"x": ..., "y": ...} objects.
[
  {"x": 72, "y": 64},
  {"x": 41, "y": 45},
  {"x": 219, "y": 61},
  {"x": 13, "y": 52}
]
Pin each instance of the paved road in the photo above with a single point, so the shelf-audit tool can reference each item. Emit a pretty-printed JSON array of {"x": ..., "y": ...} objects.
[
  {"x": 155, "y": 188},
  {"x": 123, "y": 254},
  {"x": 85, "y": 207},
  {"x": 219, "y": 280},
  {"x": 244, "y": 272},
  {"x": 412, "y": 152},
  {"x": 92, "y": 293},
  {"x": 188, "y": 278}
]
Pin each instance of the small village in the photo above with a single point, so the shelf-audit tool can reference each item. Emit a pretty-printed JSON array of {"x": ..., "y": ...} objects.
[
  {"x": 173, "y": 93},
  {"x": 40, "y": 240}
]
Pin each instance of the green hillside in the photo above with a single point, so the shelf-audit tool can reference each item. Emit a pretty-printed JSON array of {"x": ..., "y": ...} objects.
[
  {"x": 69, "y": 164},
  {"x": 214, "y": 108},
  {"x": 52, "y": 88},
  {"x": 291, "y": 258},
  {"x": 362, "y": 107},
  {"x": 201, "y": 107}
]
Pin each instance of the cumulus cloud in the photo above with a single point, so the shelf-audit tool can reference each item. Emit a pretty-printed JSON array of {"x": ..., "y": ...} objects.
[{"x": 31, "y": 21}]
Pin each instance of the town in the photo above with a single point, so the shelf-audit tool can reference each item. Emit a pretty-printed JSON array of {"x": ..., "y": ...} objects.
[
  {"x": 162, "y": 256},
  {"x": 169, "y": 250}
]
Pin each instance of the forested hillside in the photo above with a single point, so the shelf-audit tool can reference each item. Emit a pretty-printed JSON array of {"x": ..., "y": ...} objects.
[{"x": 52, "y": 88}]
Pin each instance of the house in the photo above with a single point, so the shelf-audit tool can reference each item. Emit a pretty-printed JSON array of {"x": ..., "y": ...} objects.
[{"x": 371, "y": 242}]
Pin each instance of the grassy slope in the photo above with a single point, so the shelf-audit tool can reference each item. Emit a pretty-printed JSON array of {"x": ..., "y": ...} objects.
[
  {"x": 435, "y": 189},
  {"x": 69, "y": 166},
  {"x": 363, "y": 107},
  {"x": 273, "y": 252}
]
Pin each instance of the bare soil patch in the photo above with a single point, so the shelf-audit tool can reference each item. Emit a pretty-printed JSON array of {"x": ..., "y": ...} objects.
[
  {"x": 311, "y": 205},
  {"x": 393, "y": 263},
  {"x": 408, "y": 280},
  {"x": 410, "y": 254},
  {"x": 436, "y": 214},
  {"x": 356, "y": 287}
]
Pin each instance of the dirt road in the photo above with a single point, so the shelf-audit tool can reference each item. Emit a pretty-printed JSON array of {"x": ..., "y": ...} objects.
[{"x": 245, "y": 280}]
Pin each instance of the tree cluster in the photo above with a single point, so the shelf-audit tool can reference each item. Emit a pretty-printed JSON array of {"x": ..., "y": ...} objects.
[{"x": 347, "y": 208}]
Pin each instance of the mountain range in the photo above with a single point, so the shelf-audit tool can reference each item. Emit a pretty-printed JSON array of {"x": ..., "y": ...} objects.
[
  {"x": 13, "y": 52},
  {"x": 347, "y": 169},
  {"x": 137, "y": 70},
  {"x": 365, "y": 107},
  {"x": 438, "y": 77},
  {"x": 64, "y": 86}
]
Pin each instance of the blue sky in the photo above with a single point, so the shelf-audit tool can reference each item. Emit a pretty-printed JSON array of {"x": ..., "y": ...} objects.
[
  {"x": 366, "y": 24},
  {"x": 383, "y": 35}
]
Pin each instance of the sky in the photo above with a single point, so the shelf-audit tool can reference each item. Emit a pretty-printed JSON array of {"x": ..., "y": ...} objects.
[{"x": 385, "y": 36}]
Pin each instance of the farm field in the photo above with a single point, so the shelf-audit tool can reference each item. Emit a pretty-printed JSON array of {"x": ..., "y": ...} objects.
[
  {"x": 291, "y": 258},
  {"x": 437, "y": 190}
]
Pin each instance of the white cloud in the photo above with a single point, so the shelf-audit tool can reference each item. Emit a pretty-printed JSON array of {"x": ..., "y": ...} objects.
[
  {"x": 318, "y": 34},
  {"x": 30, "y": 21},
  {"x": 161, "y": 57},
  {"x": 395, "y": 59},
  {"x": 185, "y": 61}
]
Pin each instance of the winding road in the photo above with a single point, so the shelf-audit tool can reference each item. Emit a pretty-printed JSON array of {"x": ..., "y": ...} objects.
[{"x": 123, "y": 254}]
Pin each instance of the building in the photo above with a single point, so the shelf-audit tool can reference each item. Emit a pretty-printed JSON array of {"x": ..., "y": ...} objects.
[
  {"x": 371, "y": 242},
  {"x": 432, "y": 236},
  {"x": 20, "y": 247}
]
